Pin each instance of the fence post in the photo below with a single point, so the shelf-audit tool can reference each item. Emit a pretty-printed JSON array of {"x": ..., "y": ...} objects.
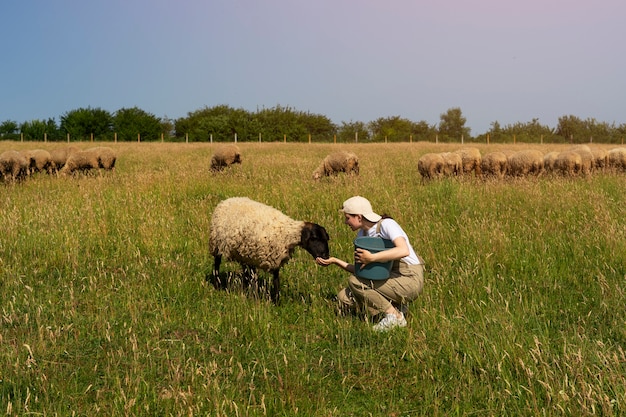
[
  {"x": 235, "y": 137},
  {"x": 68, "y": 138},
  {"x": 285, "y": 138},
  {"x": 259, "y": 137},
  {"x": 186, "y": 137}
]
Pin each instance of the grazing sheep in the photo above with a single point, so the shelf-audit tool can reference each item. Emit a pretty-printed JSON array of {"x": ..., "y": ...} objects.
[
  {"x": 453, "y": 164},
  {"x": 430, "y": 165},
  {"x": 494, "y": 164},
  {"x": 260, "y": 236},
  {"x": 568, "y": 163},
  {"x": 59, "y": 157},
  {"x": 14, "y": 166},
  {"x": 600, "y": 159},
  {"x": 471, "y": 160},
  {"x": 39, "y": 160},
  {"x": 225, "y": 156},
  {"x": 525, "y": 162},
  {"x": 549, "y": 159},
  {"x": 92, "y": 158},
  {"x": 617, "y": 158},
  {"x": 333, "y": 164},
  {"x": 586, "y": 157},
  {"x": 106, "y": 157}
]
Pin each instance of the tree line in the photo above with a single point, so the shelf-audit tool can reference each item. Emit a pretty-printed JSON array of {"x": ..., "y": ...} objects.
[{"x": 224, "y": 123}]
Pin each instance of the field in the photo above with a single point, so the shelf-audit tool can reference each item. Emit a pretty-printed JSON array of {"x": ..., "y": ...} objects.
[{"x": 105, "y": 310}]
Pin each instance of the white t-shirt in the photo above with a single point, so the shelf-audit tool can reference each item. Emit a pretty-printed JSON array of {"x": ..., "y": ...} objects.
[{"x": 390, "y": 229}]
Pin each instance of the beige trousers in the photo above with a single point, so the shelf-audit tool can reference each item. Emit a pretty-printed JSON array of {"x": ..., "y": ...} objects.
[{"x": 404, "y": 284}]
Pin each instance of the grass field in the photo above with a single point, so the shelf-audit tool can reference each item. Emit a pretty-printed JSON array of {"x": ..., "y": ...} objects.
[{"x": 105, "y": 310}]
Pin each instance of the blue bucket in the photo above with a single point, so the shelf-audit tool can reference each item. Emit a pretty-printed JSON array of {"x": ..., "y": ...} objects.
[{"x": 373, "y": 270}]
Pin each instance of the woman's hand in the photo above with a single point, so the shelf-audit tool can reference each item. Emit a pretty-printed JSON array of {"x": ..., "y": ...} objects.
[
  {"x": 363, "y": 256},
  {"x": 325, "y": 262}
]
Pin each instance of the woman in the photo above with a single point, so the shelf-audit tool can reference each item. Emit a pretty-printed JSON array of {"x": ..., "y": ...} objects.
[{"x": 389, "y": 296}]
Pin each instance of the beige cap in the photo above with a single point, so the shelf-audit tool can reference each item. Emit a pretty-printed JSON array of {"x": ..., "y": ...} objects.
[{"x": 360, "y": 205}]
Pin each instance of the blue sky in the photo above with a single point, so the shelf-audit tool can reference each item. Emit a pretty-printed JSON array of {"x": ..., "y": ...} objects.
[{"x": 498, "y": 60}]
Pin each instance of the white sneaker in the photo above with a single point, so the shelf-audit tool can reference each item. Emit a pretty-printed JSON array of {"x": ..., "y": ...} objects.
[{"x": 389, "y": 322}]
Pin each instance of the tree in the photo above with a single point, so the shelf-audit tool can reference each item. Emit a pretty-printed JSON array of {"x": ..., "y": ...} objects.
[
  {"x": 452, "y": 125},
  {"x": 392, "y": 129},
  {"x": 82, "y": 123},
  {"x": 9, "y": 129},
  {"x": 39, "y": 130},
  {"x": 128, "y": 123},
  {"x": 350, "y": 132}
]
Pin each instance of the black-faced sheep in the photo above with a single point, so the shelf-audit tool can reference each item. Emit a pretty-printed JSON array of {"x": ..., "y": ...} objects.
[
  {"x": 525, "y": 162},
  {"x": 472, "y": 160},
  {"x": 14, "y": 166},
  {"x": 225, "y": 156},
  {"x": 431, "y": 165},
  {"x": 260, "y": 236},
  {"x": 494, "y": 164},
  {"x": 336, "y": 162},
  {"x": 39, "y": 160}
]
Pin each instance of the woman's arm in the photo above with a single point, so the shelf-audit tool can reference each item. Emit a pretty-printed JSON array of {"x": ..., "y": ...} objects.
[{"x": 334, "y": 261}]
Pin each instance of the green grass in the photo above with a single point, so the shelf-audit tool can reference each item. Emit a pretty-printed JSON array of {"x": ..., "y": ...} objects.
[{"x": 105, "y": 310}]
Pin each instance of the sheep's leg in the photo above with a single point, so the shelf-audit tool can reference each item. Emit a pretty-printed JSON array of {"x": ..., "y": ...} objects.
[
  {"x": 275, "y": 292},
  {"x": 215, "y": 277},
  {"x": 249, "y": 275}
]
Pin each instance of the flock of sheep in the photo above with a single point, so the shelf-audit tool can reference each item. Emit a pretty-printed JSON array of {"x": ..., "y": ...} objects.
[
  {"x": 17, "y": 165},
  {"x": 577, "y": 160}
]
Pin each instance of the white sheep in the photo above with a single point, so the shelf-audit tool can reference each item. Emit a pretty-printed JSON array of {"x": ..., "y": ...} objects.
[
  {"x": 431, "y": 165},
  {"x": 334, "y": 163},
  {"x": 617, "y": 158},
  {"x": 472, "y": 160},
  {"x": 494, "y": 164},
  {"x": 526, "y": 162},
  {"x": 92, "y": 158},
  {"x": 260, "y": 236},
  {"x": 568, "y": 163},
  {"x": 39, "y": 160},
  {"x": 549, "y": 159},
  {"x": 453, "y": 164},
  {"x": 586, "y": 156},
  {"x": 600, "y": 159},
  {"x": 59, "y": 157},
  {"x": 225, "y": 156},
  {"x": 14, "y": 166}
]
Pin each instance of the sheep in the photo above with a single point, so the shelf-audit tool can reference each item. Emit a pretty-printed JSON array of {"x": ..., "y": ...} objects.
[
  {"x": 471, "y": 160},
  {"x": 525, "y": 162},
  {"x": 568, "y": 163},
  {"x": 586, "y": 156},
  {"x": 225, "y": 156},
  {"x": 59, "y": 157},
  {"x": 600, "y": 159},
  {"x": 106, "y": 157},
  {"x": 617, "y": 158},
  {"x": 453, "y": 163},
  {"x": 14, "y": 166},
  {"x": 92, "y": 158},
  {"x": 334, "y": 163},
  {"x": 39, "y": 160},
  {"x": 260, "y": 236},
  {"x": 549, "y": 159},
  {"x": 430, "y": 165},
  {"x": 494, "y": 164}
]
